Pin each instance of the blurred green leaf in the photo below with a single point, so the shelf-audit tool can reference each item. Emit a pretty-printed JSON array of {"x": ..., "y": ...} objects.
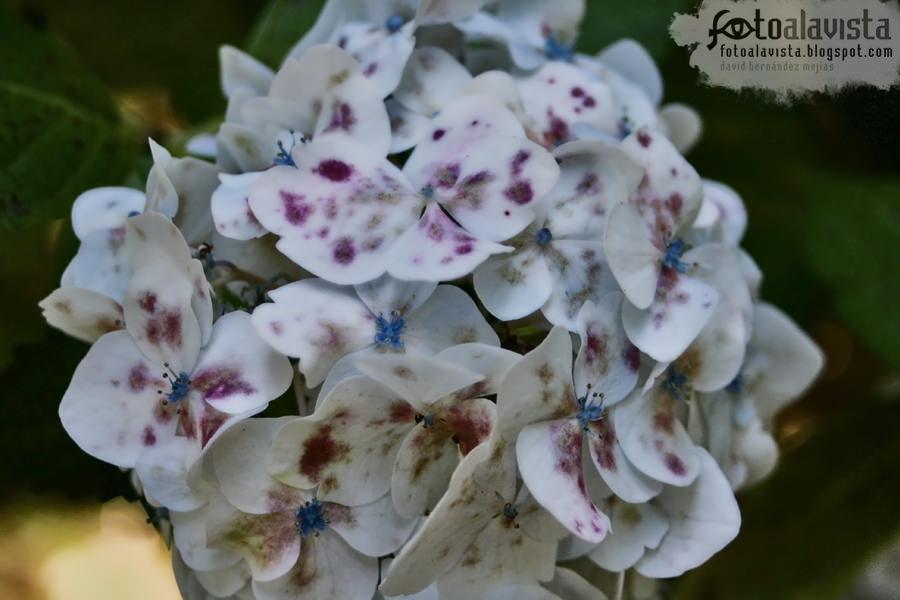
[
  {"x": 809, "y": 529},
  {"x": 59, "y": 130},
  {"x": 281, "y": 26},
  {"x": 647, "y": 22}
]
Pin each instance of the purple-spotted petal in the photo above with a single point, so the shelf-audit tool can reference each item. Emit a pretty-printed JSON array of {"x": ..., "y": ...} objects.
[
  {"x": 431, "y": 80},
  {"x": 230, "y": 209},
  {"x": 635, "y": 527},
  {"x": 317, "y": 322},
  {"x": 237, "y": 371},
  {"x": 382, "y": 55},
  {"x": 560, "y": 95},
  {"x": 515, "y": 285},
  {"x": 112, "y": 409},
  {"x": 681, "y": 308},
  {"x": 583, "y": 276},
  {"x": 549, "y": 456},
  {"x": 355, "y": 111},
  {"x": 622, "y": 478},
  {"x": 338, "y": 212},
  {"x": 606, "y": 361},
  {"x": 653, "y": 438},
  {"x": 703, "y": 519},
  {"x": 82, "y": 313},
  {"x": 437, "y": 249},
  {"x": 101, "y": 264},
  {"x": 347, "y": 447},
  {"x": 105, "y": 208},
  {"x": 373, "y": 529}
]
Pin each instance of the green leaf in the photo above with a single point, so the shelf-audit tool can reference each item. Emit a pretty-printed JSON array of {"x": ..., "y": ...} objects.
[
  {"x": 647, "y": 22},
  {"x": 59, "y": 129},
  {"x": 808, "y": 529},
  {"x": 281, "y": 26}
]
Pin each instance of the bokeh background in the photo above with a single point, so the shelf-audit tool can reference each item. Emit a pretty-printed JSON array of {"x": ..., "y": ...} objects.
[{"x": 83, "y": 83}]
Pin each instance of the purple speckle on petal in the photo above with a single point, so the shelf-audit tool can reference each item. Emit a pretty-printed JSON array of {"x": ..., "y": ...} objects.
[
  {"x": 333, "y": 169},
  {"x": 344, "y": 252},
  {"x": 520, "y": 192},
  {"x": 674, "y": 464},
  {"x": 519, "y": 161},
  {"x": 148, "y": 438},
  {"x": 644, "y": 139},
  {"x": 438, "y": 134},
  {"x": 296, "y": 211},
  {"x": 222, "y": 382}
]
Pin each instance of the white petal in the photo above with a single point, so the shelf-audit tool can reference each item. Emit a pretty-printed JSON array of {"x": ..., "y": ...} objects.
[
  {"x": 317, "y": 322},
  {"x": 492, "y": 362},
  {"x": 327, "y": 568},
  {"x": 682, "y": 307},
  {"x": 606, "y": 360},
  {"x": 166, "y": 474},
  {"x": 82, "y": 313},
  {"x": 239, "y": 70},
  {"x": 237, "y": 371},
  {"x": 407, "y": 127},
  {"x": 189, "y": 530},
  {"x": 381, "y": 54},
  {"x": 622, "y": 478},
  {"x": 373, "y": 529},
  {"x": 584, "y": 276},
  {"x": 437, "y": 249},
  {"x": 355, "y": 111},
  {"x": 252, "y": 149},
  {"x": 683, "y": 125},
  {"x": 549, "y": 456},
  {"x": 431, "y": 80},
  {"x": 105, "y": 208},
  {"x": 634, "y": 528},
  {"x": 239, "y": 458},
  {"x": 714, "y": 359},
  {"x": 347, "y": 447},
  {"x": 785, "y": 360},
  {"x": 570, "y": 585},
  {"x": 230, "y": 209},
  {"x": 434, "y": 12},
  {"x": 594, "y": 178},
  {"x": 515, "y": 285},
  {"x": 539, "y": 387},
  {"x": 112, "y": 409},
  {"x": 101, "y": 265},
  {"x": 422, "y": 470},
  {"x": 386, "y": 294},
  {"x": 338, "y": 212},
  {"x": 703, "y": 519},
  {"x": 632, "y": 60},
  {"x": 560, "y": 95},
  {"x": 632, "y": 256},
  {"x": 654, "y": 440}
]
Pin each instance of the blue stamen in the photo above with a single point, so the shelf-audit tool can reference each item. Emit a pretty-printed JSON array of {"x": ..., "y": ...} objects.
[
  {"x": 388, "y": 332},
  {"x": 181, "y": 385},
  {"x": 311, "y": 518},
  {"x": 590, "y": 408},
  {"x": 676, "y": 383},
  {"x": 394, "y": 23},
  {"x": 510, "y": 512},
  {"x": 284, "y": 158},
  {"x": 544, "y": 236},
  {"x": 134, "y": 213},
  {"x": 672, "y": 259},
  {"x": 428, "y": 192},
  {"x": 555, "y": 49}
]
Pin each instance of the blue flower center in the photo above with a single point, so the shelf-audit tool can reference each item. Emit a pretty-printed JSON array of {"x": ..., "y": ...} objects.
[
  {"x": 543, "y": 237},
  {"x": 394, "y": 23},
  {"x": 555, "y": 49},
  {"x": 181, "y": 385},
  {"x": 672, "y": 259},
  {"x": 510, "y": 512},
  {"x": 283, "y": 158},
  {"x": 676, "y": 383},
  {"x": 311, "y": 518},
  {"x": 590, "y": 408},
  {"x": 388, "y": 332},
  {"x": 428, "y": 192}
]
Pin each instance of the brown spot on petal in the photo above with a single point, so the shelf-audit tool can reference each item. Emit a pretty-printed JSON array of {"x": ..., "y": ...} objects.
[{"x": 319, "y": 451}]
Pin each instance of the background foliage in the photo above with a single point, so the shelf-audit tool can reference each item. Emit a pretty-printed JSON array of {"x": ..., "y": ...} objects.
[{"x": 83, "y": 83}]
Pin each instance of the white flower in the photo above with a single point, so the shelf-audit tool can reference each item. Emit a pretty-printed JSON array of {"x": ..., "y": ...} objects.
[
  {"x": 558, "y": 262},
  {"x": 348, "y": 215},
  {"x": 88, "y": 302},
  {"x": 296, "y": 544},
  {"x": 400, "y": 429},
  {"x": 320, "y": 322},
  {"x": 154, "y": 396}
]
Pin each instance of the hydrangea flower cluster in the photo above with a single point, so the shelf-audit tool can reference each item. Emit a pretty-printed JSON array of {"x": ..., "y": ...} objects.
[{"x": 517, "y": 325}]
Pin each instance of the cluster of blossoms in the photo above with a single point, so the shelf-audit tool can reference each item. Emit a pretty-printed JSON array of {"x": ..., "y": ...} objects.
[{"x": 517, "y": 326}]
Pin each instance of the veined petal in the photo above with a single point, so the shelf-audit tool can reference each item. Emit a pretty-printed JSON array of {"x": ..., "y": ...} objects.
[
  {"x": 231, "y": 210},
  {"x": 437, "y": 249},
  {"x": 82, "y": 313},
  {"x": 237, "y": 371},
  {"x": 327, "y": 568},
  {"x": 703, "y": 519},
  {"x": 373, "y": 529},
  {"x": 112, "y": 409},
  {"x": 606, "y": 362},
  {"x": 514, "y": 285},
  {"x": 681, "y": 308},
  {"x": 347, "y": 447},
  {"x": 583, "y": 276},
  {"x": 635, "y": 527},
  {"x": 338, "y": 212},
  {"x": 594, "y": 178},
  {"x": 105, "y": 208},
  {"x": 560, "y": 95},
  {"x": 549, "y": 456},
  {"x": 622, "y": 478},
  {"x": 654, "y": 440},
  {"x": 431, "y": 80},
  {"x": 539, "y": 387},
  {"x": 239, "y": 458},
  {"x": 316, "y": 321},
  {"x": 632, "y": 256}
]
